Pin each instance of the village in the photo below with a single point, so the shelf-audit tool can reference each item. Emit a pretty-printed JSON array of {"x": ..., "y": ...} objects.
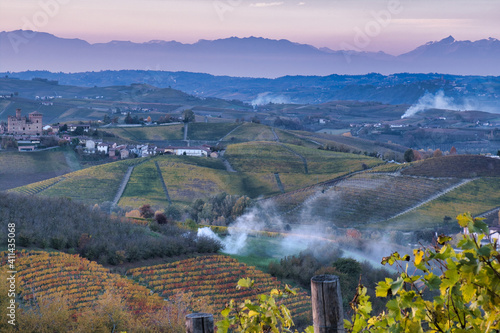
[{"x": 28, "y": 134}]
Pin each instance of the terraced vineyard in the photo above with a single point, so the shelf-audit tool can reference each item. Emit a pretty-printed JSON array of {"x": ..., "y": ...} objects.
[
  {"x": 144, "y": 187},
  {"x": 187, "y": 183},
  {"x": 264, "y": 157},
  {"x": 370, "y": 197},
  {"x": 92, "y": 185},
  {"x": 37, "y": 187},
  {"x": 215, "y": 277},
  {"x": 460, "y": 166},
  {"x": 46, "y": 275},
  {"x": 18, "y": 169},
  {"x": 478, "y": 196},
  {"x": 324, "y": 161}
]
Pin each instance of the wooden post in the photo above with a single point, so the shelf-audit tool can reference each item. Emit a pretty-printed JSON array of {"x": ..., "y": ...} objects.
[
  {"x": 328, "y": 315},
  {"x": 200, "y": 323}
]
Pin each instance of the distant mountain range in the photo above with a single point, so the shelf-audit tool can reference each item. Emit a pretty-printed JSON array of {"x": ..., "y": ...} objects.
[{"x": 244, "y": 57}]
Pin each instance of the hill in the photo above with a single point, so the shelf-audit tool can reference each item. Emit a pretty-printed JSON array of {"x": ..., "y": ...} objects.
[
  {"x": 19, "y": 169},
  {"x": 477, "y": 197},
  {"x": 402, "y": 88},
  {"x": 459, "y": 166},
  {"x": 62, "y": 103},
  {"x": 408, "y": 197}
]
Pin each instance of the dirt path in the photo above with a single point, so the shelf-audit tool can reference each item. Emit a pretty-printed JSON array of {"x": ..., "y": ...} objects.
[
  {"x": 298, "y": 155},
  {"x": 163, "y": 182},
  {"x": 276, "y": 137},
  {"x": 278, "y": 181},
  {"x": 124, "y": 183},
  {"x": 225, "y": 136}
]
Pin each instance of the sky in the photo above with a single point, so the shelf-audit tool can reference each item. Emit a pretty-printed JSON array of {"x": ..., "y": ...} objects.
[{"x": 392, "y": 26}]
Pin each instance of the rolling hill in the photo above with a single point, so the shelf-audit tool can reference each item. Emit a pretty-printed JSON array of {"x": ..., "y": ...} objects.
[{"x": 19, "y": 169}]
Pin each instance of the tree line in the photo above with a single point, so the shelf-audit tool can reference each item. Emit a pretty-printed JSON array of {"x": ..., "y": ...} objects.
[{"x": 62, "y": 224}]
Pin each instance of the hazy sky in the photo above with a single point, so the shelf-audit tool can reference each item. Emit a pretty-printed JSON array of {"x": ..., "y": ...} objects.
[{"x": 393, "y": 26}]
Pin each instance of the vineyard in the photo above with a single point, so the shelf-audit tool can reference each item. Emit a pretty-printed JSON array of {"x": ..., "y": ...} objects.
[
  {"x": 323, "y": 161},
  {"x": 250, "y": 132},
  {"x": 80, "y": 281},
  {"x": 209, "y": 131},
  {"x": 143, "y": 187},
  {"x": 38, "y": 187},
  {"x": 153, "y": 133},
  {"x": 18, "y": 169},
  {"x": 215, "y": 277},
  {"x": 369, "y": 198},
  {"x": 476, "y": 197},
  {"x": 460, "y": 166},
  {"x": 265, "y": 157},
  {"x": 92, "y": 185}
]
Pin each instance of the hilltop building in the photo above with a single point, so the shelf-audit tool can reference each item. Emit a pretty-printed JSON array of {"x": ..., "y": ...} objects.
[{"x": 25, "y": 126}]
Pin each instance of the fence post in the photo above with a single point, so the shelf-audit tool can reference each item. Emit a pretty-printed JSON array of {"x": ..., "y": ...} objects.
[
  {"x": 328, "y": 315},
  {"x": 200, "y": 323}
]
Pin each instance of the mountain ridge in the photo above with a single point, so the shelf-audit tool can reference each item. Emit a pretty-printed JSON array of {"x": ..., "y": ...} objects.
[{"x": 241, "y": 57}]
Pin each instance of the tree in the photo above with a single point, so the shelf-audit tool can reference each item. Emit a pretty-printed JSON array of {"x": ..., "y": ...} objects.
[
  {"x": 188, "y": 116},
  {"x": 437, "y": 153},
  {"x": 78, "y": 130},
  {"x": 129, "y": 119},
  {"x": 453, "y": 151},
  {"x": 464, "y": 285},
  {"x": 409, "y": 156},
  {"x": 146, "y": 211},
  {"x": 160, "y": 218},
  {"x": 106, "y": 119}
]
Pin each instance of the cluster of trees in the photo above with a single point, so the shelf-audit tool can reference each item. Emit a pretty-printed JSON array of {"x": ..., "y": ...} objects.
[
  {"x": 287, "y": 124},
  {"x": 220, "y": 209},
  {"x": 61, "y": 224},
  {"x": 411, "y": 155},
  {"x": 8, "y": 142},
  {"x": 328, "y": 260}
]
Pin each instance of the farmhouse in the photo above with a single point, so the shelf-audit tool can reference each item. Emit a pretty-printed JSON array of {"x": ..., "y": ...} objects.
[
  {"x": 28, "y": 145},
  {"x": 188, "y": 151},
  {"x": 25, "y": 126}
]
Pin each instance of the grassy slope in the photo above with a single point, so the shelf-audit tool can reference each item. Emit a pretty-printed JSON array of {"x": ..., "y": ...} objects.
[{"x": 18, "y": 169}]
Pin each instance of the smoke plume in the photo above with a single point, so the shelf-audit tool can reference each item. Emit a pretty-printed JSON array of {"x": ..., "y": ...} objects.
[
  {"x": 267, "y": 97},
  {"x": 435, "y": 101}
]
